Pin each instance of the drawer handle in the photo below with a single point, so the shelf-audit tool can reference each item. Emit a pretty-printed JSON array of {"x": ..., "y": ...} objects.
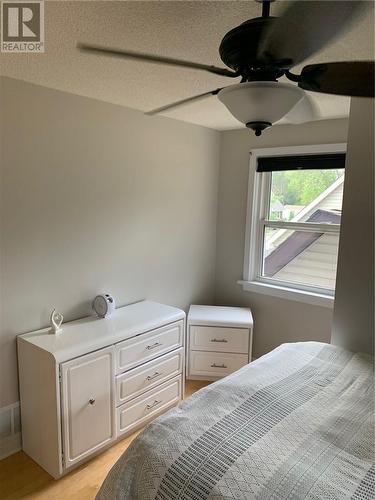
[
  {"x": 153, "y": 346},
  {"x": 91, "y": 401},
  {"x": 155, "y": 403},
  {"x": 219, "y": 340},
  {"x": 214, "y": 365},
  {"x": 151, "y": 377}
]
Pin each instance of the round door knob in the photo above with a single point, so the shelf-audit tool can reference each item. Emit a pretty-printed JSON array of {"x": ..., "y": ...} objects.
[{"x": 92, "y": 401}]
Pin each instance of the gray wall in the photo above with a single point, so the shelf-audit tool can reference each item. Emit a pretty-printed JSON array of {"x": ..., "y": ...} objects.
[
  {"x": 96, "y": 197},
  {"x": 276, "y": 320},
  {"x": 353, "y": 324}
]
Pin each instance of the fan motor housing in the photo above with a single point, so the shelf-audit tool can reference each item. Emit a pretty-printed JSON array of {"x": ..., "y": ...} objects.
[{"x": 239, "y": 47}]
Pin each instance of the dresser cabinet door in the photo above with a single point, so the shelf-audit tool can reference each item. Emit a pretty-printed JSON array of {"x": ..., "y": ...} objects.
[{"x": 87, "y": 404}]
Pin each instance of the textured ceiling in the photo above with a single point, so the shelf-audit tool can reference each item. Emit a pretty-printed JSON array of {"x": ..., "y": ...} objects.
[{"x": 186, "y": 30}]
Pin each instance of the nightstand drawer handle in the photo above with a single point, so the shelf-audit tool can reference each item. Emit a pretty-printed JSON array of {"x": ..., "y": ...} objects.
[
  {"x": 151, "y": 377},
  {"x": 214, "y": 365},
  {"x": 155, "y": 403},
  {"x": 219, "y": 340},
  {"x": 153, "y": 346}
]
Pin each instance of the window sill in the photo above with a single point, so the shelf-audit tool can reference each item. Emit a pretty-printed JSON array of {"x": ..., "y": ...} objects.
[{"x": 288, "y": 293}]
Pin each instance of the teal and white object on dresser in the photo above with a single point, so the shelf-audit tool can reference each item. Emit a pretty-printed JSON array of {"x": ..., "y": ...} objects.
[
  {"x": 98, "y": 381},
  {"x": 219, "y": 341}
]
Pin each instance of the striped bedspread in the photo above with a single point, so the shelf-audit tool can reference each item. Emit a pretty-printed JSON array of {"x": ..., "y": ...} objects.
[{"x": 297, "y": 423}]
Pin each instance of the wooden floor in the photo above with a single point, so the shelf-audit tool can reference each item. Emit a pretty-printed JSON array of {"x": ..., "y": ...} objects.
[{"x": 20, "y": 477}]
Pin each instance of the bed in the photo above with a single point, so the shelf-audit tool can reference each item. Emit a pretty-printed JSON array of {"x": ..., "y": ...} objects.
[{"x": 297, "y": 423}]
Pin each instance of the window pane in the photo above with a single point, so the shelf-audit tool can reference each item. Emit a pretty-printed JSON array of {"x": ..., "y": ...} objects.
[
  {"x": 303, "y": 257},
  {"x": 306, "y": 195}
]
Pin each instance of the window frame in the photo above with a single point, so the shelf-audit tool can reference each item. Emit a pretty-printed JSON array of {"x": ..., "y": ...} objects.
[{"x": 259, "y": 192}]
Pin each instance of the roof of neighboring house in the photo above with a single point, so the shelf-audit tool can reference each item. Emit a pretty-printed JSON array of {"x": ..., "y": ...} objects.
[
  {"x": 308, "y": 257},
  {"x": 330, "y": 199},
  {"x": 297, "y": 242}
]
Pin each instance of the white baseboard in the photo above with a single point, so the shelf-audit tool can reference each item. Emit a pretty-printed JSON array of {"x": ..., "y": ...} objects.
[
  {"x": 10, "y": 430},
  {"x": 10, "y": 445}
]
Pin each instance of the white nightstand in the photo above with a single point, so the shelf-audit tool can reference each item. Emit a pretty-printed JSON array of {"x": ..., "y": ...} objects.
[{"x": 219, "y": 341}]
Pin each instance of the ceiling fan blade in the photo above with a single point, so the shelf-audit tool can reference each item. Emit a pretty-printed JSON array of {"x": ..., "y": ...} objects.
[
  {"x": 355, "y": 78},
  {"x": 183, "y": 101},
  {"x": 127, "y": 54},
  {"x": 306, "y": 27},
  {"x": 304, "y": 111}
]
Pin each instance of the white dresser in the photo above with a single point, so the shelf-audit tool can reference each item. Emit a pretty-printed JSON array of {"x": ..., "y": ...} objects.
[
  {"x": 219, "y": 341},
  {"x": 98, "y": 381}
]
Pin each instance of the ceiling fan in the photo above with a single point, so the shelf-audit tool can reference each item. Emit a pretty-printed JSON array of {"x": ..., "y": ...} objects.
[{"x": 262, "y": 50}]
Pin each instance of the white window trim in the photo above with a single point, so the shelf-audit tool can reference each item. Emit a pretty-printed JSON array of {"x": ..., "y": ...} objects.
[{"x": 257, "y": 204}]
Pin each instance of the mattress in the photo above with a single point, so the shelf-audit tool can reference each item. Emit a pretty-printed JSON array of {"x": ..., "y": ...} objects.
[{"x": 297, "y": 423}]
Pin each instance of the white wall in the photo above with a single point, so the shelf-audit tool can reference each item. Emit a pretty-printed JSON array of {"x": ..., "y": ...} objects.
[
  {"x": 96, "y": 197},
  {"x": 353, "y": 324},
  {"x": 276, "y": 320}
]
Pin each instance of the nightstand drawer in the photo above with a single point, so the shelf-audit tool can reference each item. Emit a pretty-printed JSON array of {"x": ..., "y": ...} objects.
[
  {"x": 135, "y": 382},
  {"x": 214, "y": 364},
  {"x": 140, "y": 410},
  {"x": 219, "y": 339}
]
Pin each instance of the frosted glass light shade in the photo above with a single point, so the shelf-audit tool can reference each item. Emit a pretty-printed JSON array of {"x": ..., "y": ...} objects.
[{"x": 264, "y": 102}]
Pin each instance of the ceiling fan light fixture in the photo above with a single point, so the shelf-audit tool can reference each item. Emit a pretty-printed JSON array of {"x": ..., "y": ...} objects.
[{"x": 260, "y": 104}]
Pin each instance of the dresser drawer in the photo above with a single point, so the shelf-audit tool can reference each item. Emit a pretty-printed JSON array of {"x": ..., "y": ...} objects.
[
  {"x": 219, "y": 339},
  {"x": 214, "y": 364},
  {"x": 139, "y": 410},
  {"x": 138, "y": 350},
  {"x": 134, "y": 382}
]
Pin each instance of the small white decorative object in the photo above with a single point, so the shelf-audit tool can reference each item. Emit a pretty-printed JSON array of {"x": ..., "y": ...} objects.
[
  {"x": 56, "y": 320},
  {"x": 104, "y": 305}
]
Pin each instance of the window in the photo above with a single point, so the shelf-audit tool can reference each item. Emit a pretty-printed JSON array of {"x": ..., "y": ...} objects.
[{"x": 293, "y": 222}]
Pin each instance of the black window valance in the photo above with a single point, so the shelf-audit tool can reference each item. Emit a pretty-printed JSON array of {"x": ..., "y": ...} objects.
[{"x": 301, "y": 162}]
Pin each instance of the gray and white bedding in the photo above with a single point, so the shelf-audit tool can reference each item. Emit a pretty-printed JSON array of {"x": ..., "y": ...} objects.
[{"x": 297, "y": 423}]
